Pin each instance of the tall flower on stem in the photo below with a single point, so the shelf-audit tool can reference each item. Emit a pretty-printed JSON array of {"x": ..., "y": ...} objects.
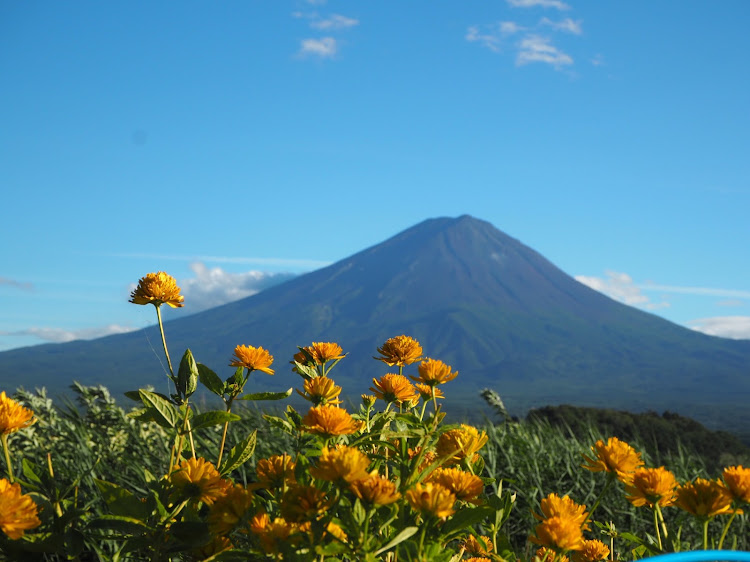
[
  {"x": 13, "y": 417},
  {"x": 400, "y": 351},
  {"x": 704, "y": 499},
  {"x": 654, "y": 487}
]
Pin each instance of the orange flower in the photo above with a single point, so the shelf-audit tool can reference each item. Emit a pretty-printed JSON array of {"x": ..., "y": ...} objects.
[
  {"x": 400, "y": 351},
  {"x": 341, "y": 464},
  {"x": 616, "y": 457},
  {"x": 462, "y": 443},
  {"x": 330, "y": 420},
  {"x": 271, "y": 533},
  {"x": 737, "y": 480},
  {"x": 433, "y": 372},
  {"x": 368, "y": 400},
  {"x": 321, "y": 390},
  {"x": 18, "y": 512},
  {"x": 554, "y": 506},
  {"x": 322, "y": 352},
  {"x": 198, "y": 480},
  {"x": 157, "y": 289},
  {"x": 704, "y": 498},
  {"x": 13, "y": 416},
  {"x": 252, "y": 358},
  {"x": 375, "y": 490},
  {"x": 651, "y": 486},
  {"x": 431, "y": 499},
  {"x": 465, "y": 485},
  {"x": 275, "y": 471},
  {"x": 592, "y": 551},
  {"x": 304, "y": 503},
  {"x": 559, "y": 533},
  {"x": 545, "y": 554},
  {"x": 481, "y": 546},
  {"x": 229, "y": 509},
  {"x": 394, "y": 388},
  {"x": 425, "y": 391}
]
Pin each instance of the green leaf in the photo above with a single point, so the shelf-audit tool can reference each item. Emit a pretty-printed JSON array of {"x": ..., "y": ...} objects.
[
  {"x": 133, "y": 395},
  {"x": 28, "y": 472},
  {"x": 121, "y": 501},
  {"x": 237, "y": 378},
  {"x": 164, "y": 413},
  {"x": 305, "y": 371},
  {"x": 399, "y": 538},
  {"x": 240, "y": 453},
  {"x": 187, "y": 375},
  {"x": 267, "y": 395},
  {"x": 207, "y": 419},
  {"x": 127, "y": 525},
  {"x": 210, "y": 380},
  {"x": 279, "y": 423},
  {"x": 191, "y": 533},
  {"x": 466, "y": 517}
]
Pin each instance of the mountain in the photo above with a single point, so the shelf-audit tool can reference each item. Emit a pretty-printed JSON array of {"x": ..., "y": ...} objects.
[{"x": 494, "y": 309}]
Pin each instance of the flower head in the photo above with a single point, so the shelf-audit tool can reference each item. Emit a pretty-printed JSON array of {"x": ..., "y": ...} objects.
[
  {"x": 559, "y": 533},
  {"x": 704, "y": 498},
  {"x": 229, "y": 509},
  {"x": 554, "y": 505},
  {"x": 13, "y": 416},
  {"x": 592, "y": 551},
  {"x": 481, "y": 546},
  {"x": 18, "y": 512},
  {"x": 431, "y": 499},
  {"x": 330, "y": 420},
  {"x": 252, "y": 358},
  {"x": 341, "y": 464},
  {"x": 375, "y": 490},
  {"x": 400, "y": 351},
  {"x": 433, "y": 372},
  {"x": 322, "y": 352},
  {"x": 465, "y": 485},
  {"x": 394, "y": 388},
  {"x": 737, "y": 480},
  {"x": 272, "y": 534},
  {"x": 616, "y": 457},
  {"x": 545, "y": 554},
  {"x": 157, "y": 289},
  {"x": 651, "y": 486},
  {"x": 321, "y": 390},
  {"x": 461, "y": 443},
  {"x": 304, "y": 503},
  {"x": 425, "y": 391},
  {"x": 198, "y": 480},
  {"x": 368, "y": 400},
  {"x": 275, "y": 471}
]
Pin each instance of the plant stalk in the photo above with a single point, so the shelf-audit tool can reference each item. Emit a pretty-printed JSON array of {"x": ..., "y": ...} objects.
[{"x": 9, "y": 464}]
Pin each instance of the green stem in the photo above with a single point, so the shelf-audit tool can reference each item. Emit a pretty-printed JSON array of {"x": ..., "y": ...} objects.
[
  {"x": 7, "y": 458},
  {"x": 610, "y": 480},
  {"x": 705, "y": 534},
  {"x": 164, "y": 339},
  {"x": 726, "y": 528},
  {"x": 656, "y": 526},
  {"x": 661, "y": 521},
  {"x": 224, "y": 436}
]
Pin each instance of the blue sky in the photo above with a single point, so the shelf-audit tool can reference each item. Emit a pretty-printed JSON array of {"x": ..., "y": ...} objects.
[{"x": 225, "y": 141}]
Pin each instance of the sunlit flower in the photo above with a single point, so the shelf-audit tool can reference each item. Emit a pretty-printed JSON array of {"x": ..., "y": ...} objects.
[
  {"x": 592, "y": 551},
  {"x": 554, "y": 506},
  {"x": 477, "y": 559},
  {"x": 431, "y": 499},
  {"x": 198, "y": 480},
  {"x": 559, "y": 533},
  {"x": 704, "y": 498},
  {"x": 157, "y": 289},
  {"x": 616, "y": 457},
  {"x": 400, "y": 351},
  {"x": 375, "y": 490},
  {"x": 545, "y": 554},
  {"x": 433, "y": 372},
  {"x": 271, "y": 533},
  {"x": 13, "y": 416},
  {"x": 425, "y": 391},
  {"x": 465, "y": 485},
  {"x": 304, "y": 503},
  {"x": 229, "y": 509},
  {"x": 368, "y": 400},
  {"x": 650, "y": 486},
  {"x": 275, "y": 471},
  {"x": 481, "y": 546},
  {"x": 252, "y": 358},
  {"x": 18, "y": 512},
  {"x": 394, "y": 388},
  {"x": 322, "y": 352},
  {"x": 428, "y": 457},
  {"x": 330, "y": 420},
  {"x": 461, "y": 443},
  {"x": 332, "y": 528},
  {"x": 321, "y": 390},
  {"x": 737, "y": 480},
  {"x": 341, "y": 464}
]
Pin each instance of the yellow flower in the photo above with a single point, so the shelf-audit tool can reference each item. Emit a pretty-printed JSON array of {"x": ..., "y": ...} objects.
[
  {"x": 650, "y": 486},
  {"x": 304, "y": 503},
  {"x": 481, "y": 546},
  {"x": 332, "y": 529},
  {"x": 462, "y": 443},
  {"x": 322, "y": 352},
  {"x": 737, "y": 480},
  {"x": 252, "y": 358},
  {"x": 198, "y": 480},
  {"x": 341, "y": 464},
  {"x": 229, "y": 509},
  {"x": 616, "y": 457},
  {"x": 394, "y": 388},
  {"x": 400, "y": 351},
  {"x": 477, "y": 559},
  {"x": 554, "y": 505},
  {"x": 330, "y": 421},
  {"x": 275, "y": 471},
  {"x": 375, "y": 490},
  {"x": 321, "y": 390},
  {"x": 157, "y": 289},
  {"x": 425, "y": 391},
  {"x": 368, "y": 400},
  {"x": 433, "y": 372},
  {"x": 431, "y": 499},
  {"x": 13, "y": 416},
  {"x": 465, "y": 485},
  {"x": 271, "y": 533},
  {"x": 592, "y": 551},
  {"x": 559, "y": 533},
  {"x": 17, "y": 511},
  {"x": 704, "y": 498},
  {"x": 545, "y": 554}
]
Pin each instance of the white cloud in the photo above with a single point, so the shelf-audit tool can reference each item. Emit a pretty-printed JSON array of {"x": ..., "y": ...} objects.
[
  {"x": 213, "y": 286},
  {"x": 284, "y": 262},
  {"x": 703, "y": 291},
  {"x": 16, "y": 284},
  {"x": 59, "y": 335},
  {"x": 335, "y": 21},
  {"x": 324, "y": 47},
  {"x": 620, "y": 287},
  {"x": 568, "y": 25},
  {"x": 731, "y": 303},
  {"x": 509, "y": 27},
  {"x": 557, "y": 4},
  {"x": 489, "y": 40},
  {"x": 535, "y": 48},
  {"x": 598, "y": 60},
  {"x": 734, "y": 327}
]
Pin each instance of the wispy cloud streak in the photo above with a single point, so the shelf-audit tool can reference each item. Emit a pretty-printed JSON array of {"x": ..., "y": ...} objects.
[
  {"x": 24, "y": 286},
  {"x": 289, "y": 262},
  {"x": 60, "y": 335}
]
